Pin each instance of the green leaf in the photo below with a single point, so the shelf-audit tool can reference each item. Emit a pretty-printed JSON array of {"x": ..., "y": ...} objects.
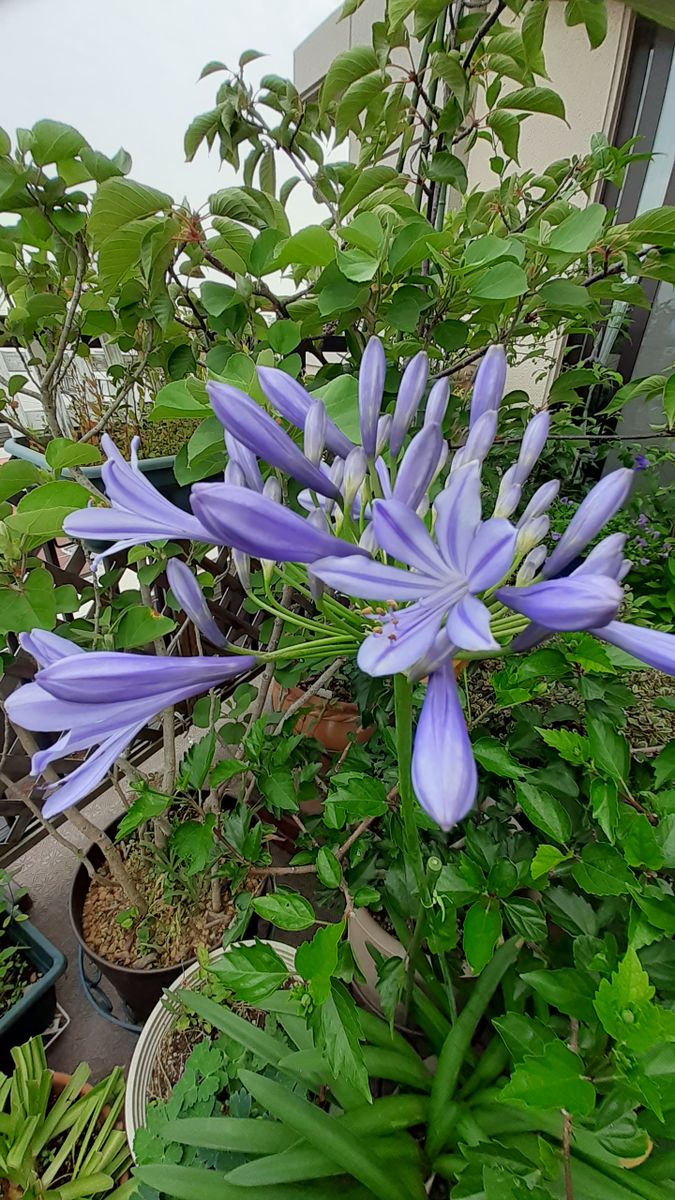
[
  {"x": 504, "y": 281},
  {"x": 328, "y": 868},
  {"x": 544, "y": 811},
  {"x": 669, "y": 401},
  {"x": 624, "y": 1006},
  {"x": 226, "y": 769},
  {"x": 16, "y": 476},
  {"x": 198, "y": 760},
  {"x": 638, "y": 841},
  {"x": 532, "y": 30},
  {"x": 602, "y": 871},
  {"x": 547, "y": 858},
  {"x": 534, "y": 99},
  {"x": 310, "y": 247},
  {"x": 592, "y": 14},
  {"x": 525, "y": 918},
  {"x": 482, "y": 929},
  {"x": 352, "y": 797},
  {"x": 146, "y": 807},
  {"x": 357, "y": 266},
  {"x": 118, "y": 202},
  {"x": 448, "y": 67},
  {"x": 337, "y": 1032},
  {"x": 571, "y": 911},
  {"x": 29, "y": 604},
  {"x": 493, "y": 756},
  {"x": 52, "y": 141},
  {"x": 177, "y": 401},
  {"x": 62, "y": 452},
  {"x": 218, "y": 297},
  {"x": 447, "y": 168},
  {"x": 252, "y": 972},
  {"x": 359, "y": 95},
  {"x": 664, "y": 765},
  {"x": 522, "y": 1035},
  {"x": 398, "y": 10},
  {"x": 278, "y": 788},
  {"x": 193, "y": 843},
  {"x": 285, "y": 909},
  {"x": 140, "y": 625},
  {"x": 553, "y": 1079},
  {"x": 566, "y": 989},
  {"x": 665, "y": 836},
  {"x": 578, "y": 232},
  {"x": 507, "y": 128},
  {"x": 284, "y": 336},
  {"x": 570, "y": 745},
  {"x": 659, "y": 11},
  {"x": 656, "y": 226},
  {"x": 610, "y": 751},
  {"x": 347, "y": 67},
  {"x": 366, "y": 184},
  {"x": 365, "y": 232},
  {"x": 317, "y": 959},
  {"x": 562, "y": 293}
]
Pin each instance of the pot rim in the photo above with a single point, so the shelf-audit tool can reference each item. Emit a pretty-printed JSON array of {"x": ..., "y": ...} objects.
[{"x": 157, "y": 1024}]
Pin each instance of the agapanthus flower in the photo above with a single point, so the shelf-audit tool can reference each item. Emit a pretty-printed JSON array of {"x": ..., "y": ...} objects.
[
  {"x": 138, "y": 512},
  {"x": 442, "y": 581},
  {"x": 102, "y": 700},
  {"x": 187, "y": 590}
]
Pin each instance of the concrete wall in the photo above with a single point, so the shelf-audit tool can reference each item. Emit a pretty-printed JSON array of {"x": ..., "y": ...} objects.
[{"x": 590, "y": 84}]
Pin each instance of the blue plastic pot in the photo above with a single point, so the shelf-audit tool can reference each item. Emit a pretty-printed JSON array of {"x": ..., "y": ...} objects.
[{"x": 35, "y": 1010}]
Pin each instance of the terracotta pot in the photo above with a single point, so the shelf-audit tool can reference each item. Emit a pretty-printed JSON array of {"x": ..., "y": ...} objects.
[{"x": 329, "y": 721}]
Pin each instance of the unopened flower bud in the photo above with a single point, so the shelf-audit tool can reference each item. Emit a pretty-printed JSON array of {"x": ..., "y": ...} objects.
[
  {"x": 531, "y": 567},
  {"x": 383, "y": 430},
  {"x": 508, "y": 497},
  {"x": 409, "y": 395},
  {"x": 531, "y": 534},
  {"x": 371, "y": 389},
  {"x": 541, "y": 501},
  {"x": 355, "y": 471},
  {"x": 315, "y": 431},
  {"x": 437, "y": 403},
  {"x": 488, "y": 388},
  {"x": 534, "y": 440},
  {"x": 481, "y": 436},
  {"x": 272, "y": 489}
]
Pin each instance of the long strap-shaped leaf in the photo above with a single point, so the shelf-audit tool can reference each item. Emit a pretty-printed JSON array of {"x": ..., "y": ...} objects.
[
  {"x": 264, "y": 1045},
  {"x": 197, "y": 1183},
  {"x": 349, "y": 1151},
  {"x": 245, "y": 1135},
  {"x": 458, "y": 1041},
  {"x": 307, "y": 1162}
]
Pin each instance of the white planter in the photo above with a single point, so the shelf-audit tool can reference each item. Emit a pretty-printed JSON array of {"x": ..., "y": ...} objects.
[{"x": 157, "y": 1025}]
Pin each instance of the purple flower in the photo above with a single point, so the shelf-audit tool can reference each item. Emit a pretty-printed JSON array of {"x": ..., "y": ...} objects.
[
  {"x": 644, "y": 562},
  {"x": 508, "y": 497},
  {"x": 640, "y": 463},
  {"x": 371, "y": 390},
  {"x": 488, "y": 387},
  {"x": 190, "y": 596},
  {"x": 418, "y": 466},
  {"x": 571, "y": 603},
  {"x": 245, "y": 460},
  {"x": 443, "y": 579},
  {"x": 256, "y": 429},
  {"x": 541, "y": 501},
  {"x": 555, "y": 536},
  {"x": 315, "y": 431},
  {"x": 138, "y": 512},
  {"x": 293, "y": 402},
  {"x": 600, "y": 505},
  {"x": 443, "y": 767},
  {"x": 235, "y": 516},
  {"x": 640, "y": 541},
  {"x": 409, "y": 395},
  {"x": 102, "y": 700},
  {"x": 534, "y": 440},
  {"x": 437, "y": 403},
  {"x": 651, "y": 646},
  {"x": 642, "y": 520}
]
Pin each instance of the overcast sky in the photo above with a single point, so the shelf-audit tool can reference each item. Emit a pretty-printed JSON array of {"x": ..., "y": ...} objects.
[{"x": 124, "y": 72}]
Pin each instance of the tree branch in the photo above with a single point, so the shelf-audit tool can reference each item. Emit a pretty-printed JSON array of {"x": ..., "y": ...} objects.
[
  {"x": 50, "y": 374},
  {"x": 118, "y": 399},
  {"x": 489, "y": 21}
]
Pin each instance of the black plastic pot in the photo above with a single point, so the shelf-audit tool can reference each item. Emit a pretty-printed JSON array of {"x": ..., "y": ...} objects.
[
  {"x": 139, "y": 988},
  {"x": 35, "y": 1010}
]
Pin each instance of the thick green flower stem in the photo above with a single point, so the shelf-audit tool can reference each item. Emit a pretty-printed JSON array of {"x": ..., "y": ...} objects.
[{"x": 458, "y": 1041}]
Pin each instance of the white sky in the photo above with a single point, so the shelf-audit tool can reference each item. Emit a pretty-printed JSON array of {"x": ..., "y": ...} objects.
[{"x": 124, "y": 72}]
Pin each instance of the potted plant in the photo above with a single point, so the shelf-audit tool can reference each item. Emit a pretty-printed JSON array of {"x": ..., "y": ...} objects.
[
  {"x": 169, "y": 1036},
  {"x": 29, "y": 968},
  {"x": 58, "y": 1136},
  {"x": 325, "y": 703}
]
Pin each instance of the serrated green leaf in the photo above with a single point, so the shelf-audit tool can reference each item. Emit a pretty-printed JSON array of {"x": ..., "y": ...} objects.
[{"x": 544, "y": 811}]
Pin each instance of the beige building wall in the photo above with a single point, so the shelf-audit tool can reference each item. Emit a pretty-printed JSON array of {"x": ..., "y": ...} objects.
[{"x": 590, "y": 84}]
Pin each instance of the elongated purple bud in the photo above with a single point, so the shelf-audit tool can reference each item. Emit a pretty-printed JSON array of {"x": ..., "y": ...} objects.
[
  {"x": 651, "y": 646},
  {"x": 234, "y": 474},
  {"x": 418, "y": 465},
  {"x": 571, "y": 603},
  {"x": 443, "y": 767},
  {"x": 250, "y": 424},
  {"x": 531, "y": 566},
  {"x": 541, "y": 501},
  {"x": 437, "y": 403},
  {"x": 185, "y": 587},
  {"x": 315, "y": 431},
  {"x": 606, "y": 558},
  {"x": 600, "y": 505},
  {"x": 292, "y": 401},
  {"x": 534, "y": 440},
  {"x": 488, "y": 388},
  {"x": 371, "y": 390},
  {"x": 532, "y": 533},
  {"x": 481, "y": 436},
  {"x": 355, "y": 471},
  {"x": 508, "y": 497},
  {"x": 409, "y": 395},
  {"x": 245, "y": 460},
  {"x": 242, "y": 565},
  {"x": 383, "y": 430},
  {"x": 272, "y": 489}
]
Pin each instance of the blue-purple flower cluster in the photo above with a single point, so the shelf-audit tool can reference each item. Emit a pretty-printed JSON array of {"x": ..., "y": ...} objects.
[{"x": 394, "y": 520}]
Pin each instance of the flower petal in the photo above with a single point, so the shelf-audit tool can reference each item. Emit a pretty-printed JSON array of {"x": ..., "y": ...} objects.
[
  {"x": 360, "y": 576},
  {"x": 80, "y": 782},
  {"x": 468, "y": 625},
  {"x": 114, "y": 677},
  {"x": 406, "y": 636},
  {"x": 444, "y": 772},
  {"x": 46, "y": 647},
  {"x": 651, "y": 646},
  {"x": 600, "y": 505},
  {"x": 292, "y": 401},
  {"x": 237, "y": 517},
  {"x": 458, "y": 515},
  {"x": 571, "y": 603},
  {"x": 246, "y": 460},
  {"x": 403, "y": 535},
  {"x": 541, "y": 501},
  {"x": 606, "y": 558},
  {"x": 187, "y": 590},
  {"x": 418, "y": 465},
  {"x": 256, "y": 429},
  {"x": 491, "y": 553}
]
